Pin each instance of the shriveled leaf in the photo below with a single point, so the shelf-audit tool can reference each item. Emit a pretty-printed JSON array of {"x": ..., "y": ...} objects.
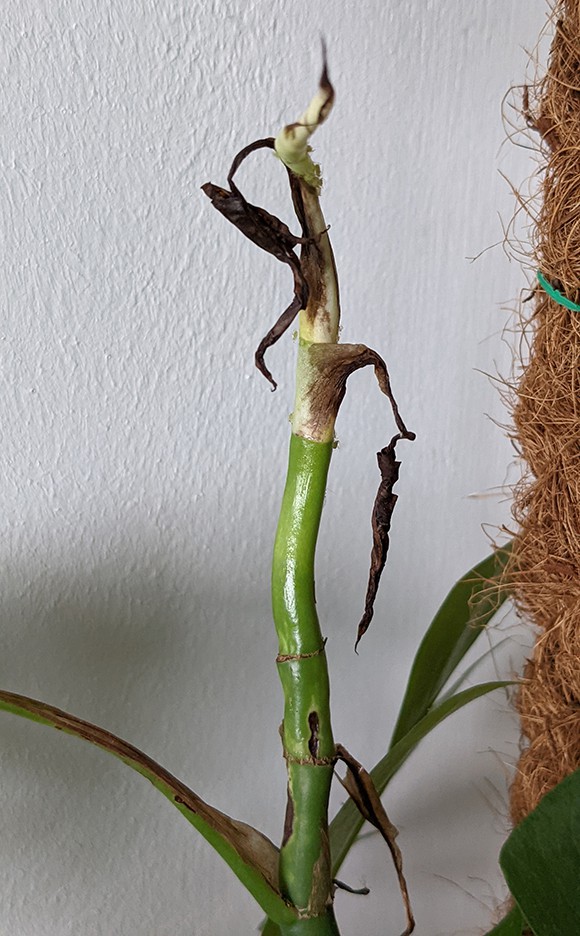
[
  {"x": 347, "y": 823},
  {"x": 363, "y": 793},
  {"x": 268, "y": 232},
  {"x": 383, "y": 508},
  {"x": 250, "y": 855},
  {"x": 467, "y": 609},
  {"x": 541, "y": 862},
  {"x": 512, "y": 925}
]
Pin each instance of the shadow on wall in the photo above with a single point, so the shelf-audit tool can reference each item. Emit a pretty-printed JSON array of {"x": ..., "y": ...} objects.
[
  {"x": 124, "y": 642},
  {"x": 132, "y": 641}
]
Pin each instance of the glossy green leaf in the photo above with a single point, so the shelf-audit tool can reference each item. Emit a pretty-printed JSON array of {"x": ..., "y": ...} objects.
[
  {"x": 512, "y": 925},
  {"x": 346, "y": 824},
  {"x": 541, "y": 862},
  {"x": 250, "y": 855},
  {"x": 469, "y": 606}
]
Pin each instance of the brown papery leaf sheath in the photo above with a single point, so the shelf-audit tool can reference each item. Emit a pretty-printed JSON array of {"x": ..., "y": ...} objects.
[
  {"x": 332, "y": 366},
  {"x": 360, "y": 787}
]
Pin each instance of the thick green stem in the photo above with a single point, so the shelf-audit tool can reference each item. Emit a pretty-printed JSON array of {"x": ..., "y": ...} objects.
[
  {"x": 305, "y": 876},
  {"x": 305, "y": 867},
  {"x": 317, "y": 926}
]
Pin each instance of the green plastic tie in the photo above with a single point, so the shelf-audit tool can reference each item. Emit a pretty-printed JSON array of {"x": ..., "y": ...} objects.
[{"x": 556, "y": 295}]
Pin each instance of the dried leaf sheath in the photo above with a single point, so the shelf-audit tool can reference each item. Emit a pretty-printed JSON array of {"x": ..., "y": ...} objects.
[
  {"x": 359, "y": 785},
  {"x": 325, "y": 372}
]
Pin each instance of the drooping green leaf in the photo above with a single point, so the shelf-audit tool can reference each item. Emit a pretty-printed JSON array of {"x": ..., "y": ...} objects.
[
  {"x": 347, "y": 822},
  {"x": 541, "y": 862},
  {"x": 468, "y": 607},
  {"x": 468, "y": 673},
  {"x": 512, "y": 925},
  {"x": 250, "y": 855}
]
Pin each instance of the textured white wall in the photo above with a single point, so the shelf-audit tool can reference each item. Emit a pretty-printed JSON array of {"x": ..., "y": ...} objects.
[{"x": 142, "y": 456}]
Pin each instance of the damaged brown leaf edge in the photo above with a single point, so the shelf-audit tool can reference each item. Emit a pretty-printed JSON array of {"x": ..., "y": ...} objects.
[
  {"x": 250, "y": 854},
  {"x": 361, "y": 789}
]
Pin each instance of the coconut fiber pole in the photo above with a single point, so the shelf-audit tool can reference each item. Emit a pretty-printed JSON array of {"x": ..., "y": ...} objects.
[{"x": 547, "y": 422}]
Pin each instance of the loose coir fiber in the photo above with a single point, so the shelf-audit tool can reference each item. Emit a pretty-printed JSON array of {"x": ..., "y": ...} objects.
[{"x": 546, "y": 562}]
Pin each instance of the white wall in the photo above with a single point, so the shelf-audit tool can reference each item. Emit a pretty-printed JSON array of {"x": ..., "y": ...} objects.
[{"x": 142, "y": 456}]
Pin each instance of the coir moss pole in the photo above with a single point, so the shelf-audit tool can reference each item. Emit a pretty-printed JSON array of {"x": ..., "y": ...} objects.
[{"x": 546, "y": 555}]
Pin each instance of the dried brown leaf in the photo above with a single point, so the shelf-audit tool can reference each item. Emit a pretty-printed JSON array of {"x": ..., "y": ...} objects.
[
  {"x": 360, "y": 787},
  {"x": 268, "y": 232},
  {"x": 383, "y": 508}
]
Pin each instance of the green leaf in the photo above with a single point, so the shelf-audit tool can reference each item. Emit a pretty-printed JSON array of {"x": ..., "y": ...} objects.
[
  {"x": 250, "y": 855},
  {"x": 541, "y": 862},
  {"x": 346, "y": 824},
  {"x": 270, "y": 929},
  {"x": 511, "y": 925},
  {"x": 468, "y": 607},
  {"x": 467, "y": 673}
]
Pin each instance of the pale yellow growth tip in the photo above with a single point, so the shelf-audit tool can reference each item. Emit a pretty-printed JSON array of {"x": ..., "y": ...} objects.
[{"x": 291, "y": 144}]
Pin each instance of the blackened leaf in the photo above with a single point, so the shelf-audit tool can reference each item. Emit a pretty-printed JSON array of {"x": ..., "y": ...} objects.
[
  {"x": 262, "y": 228},
  {"x": 271, "y": 234},
  {"x": 281, "y": 325},
  {"x": 359, "y": 785},
  {"x": 381, "y": 523}
]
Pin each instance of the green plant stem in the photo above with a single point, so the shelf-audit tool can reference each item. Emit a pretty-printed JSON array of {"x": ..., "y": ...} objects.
[
  {"x": 317, "y": 926},
  {"x": 305, "y": 877}
]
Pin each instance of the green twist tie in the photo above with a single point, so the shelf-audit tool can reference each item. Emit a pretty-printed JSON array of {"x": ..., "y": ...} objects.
[{"x": 556, "y": 295}]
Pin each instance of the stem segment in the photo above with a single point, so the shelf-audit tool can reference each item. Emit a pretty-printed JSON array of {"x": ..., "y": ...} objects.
[
  {"x": 305, "y": 866},
  {"x": 305, "y": 877}
]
